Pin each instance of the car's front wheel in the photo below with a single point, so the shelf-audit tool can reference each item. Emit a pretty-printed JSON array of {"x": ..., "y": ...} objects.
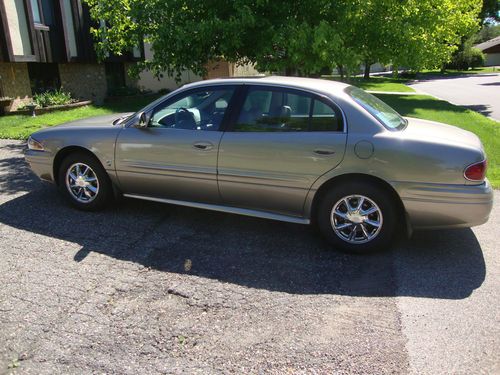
[
  {"x": 358, "y": 217},
  {"x": 84, "y": 182}
]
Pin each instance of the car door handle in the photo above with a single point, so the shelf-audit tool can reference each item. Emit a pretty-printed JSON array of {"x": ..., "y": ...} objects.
[
  {"x": 324, "y": 152},
  {"x": 205, "y": 146}
]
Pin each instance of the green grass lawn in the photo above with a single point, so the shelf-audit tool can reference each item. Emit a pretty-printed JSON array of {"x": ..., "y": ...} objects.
[
  {"x": 21, "y": 126},
  {"x": 382, "y": 84},
  {"x": 429, "y": 108},
  {"x": 452, "y": 72},
  {"x": 375, "y": 83}
]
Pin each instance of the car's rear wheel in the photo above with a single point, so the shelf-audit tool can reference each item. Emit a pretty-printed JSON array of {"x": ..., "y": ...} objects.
[
  {"x": 358, "y": 217},
  {"x": 84, "y": 182}
]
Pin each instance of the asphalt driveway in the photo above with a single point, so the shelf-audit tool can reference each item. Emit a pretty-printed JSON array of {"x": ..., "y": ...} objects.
[
  {"x": 150, "y": 288},
  {"x": 479, "y": 92}
]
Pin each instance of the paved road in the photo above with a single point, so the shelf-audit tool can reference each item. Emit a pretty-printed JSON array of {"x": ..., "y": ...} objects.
[
  {"x": 479, "y": 92},
  {"x": 147, "y": 288}
]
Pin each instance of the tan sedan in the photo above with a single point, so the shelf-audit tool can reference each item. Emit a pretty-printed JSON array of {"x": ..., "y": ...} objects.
[{"x": 284, "y": 148}]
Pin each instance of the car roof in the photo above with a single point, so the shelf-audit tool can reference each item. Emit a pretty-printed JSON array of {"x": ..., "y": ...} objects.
[{"x": 313, "y": 84}]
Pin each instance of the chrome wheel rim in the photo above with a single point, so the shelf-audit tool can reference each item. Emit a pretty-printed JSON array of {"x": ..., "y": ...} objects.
[
  {"x": 82, "y": 182},
  {"x": 356, "y": 219}
]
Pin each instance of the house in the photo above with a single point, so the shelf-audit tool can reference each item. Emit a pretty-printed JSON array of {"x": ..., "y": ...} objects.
[
  {"x": 491, "y": 48},
  {"x": 215, "y": 69},
  {"x": 46, "y": 44},
  {"x": 147, "y": 81}
]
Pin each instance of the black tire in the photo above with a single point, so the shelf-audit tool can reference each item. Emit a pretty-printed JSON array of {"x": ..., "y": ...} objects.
[
  {"x": 104, "y": 193},
  {"x": 383, "y": 238}
]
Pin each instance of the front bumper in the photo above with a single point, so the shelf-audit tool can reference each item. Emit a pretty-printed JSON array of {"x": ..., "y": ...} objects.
[
  {"x": 41, "y": 164},
  {"x": 434, "y": 206}
]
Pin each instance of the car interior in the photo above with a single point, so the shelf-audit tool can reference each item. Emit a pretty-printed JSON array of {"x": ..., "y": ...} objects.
[
  {"x": 271, "y": 110},
  {"x": 198, "y": 111},
  {"x": 262, "y": 111}
]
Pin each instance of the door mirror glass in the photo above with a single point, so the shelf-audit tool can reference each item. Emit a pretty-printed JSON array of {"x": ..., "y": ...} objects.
[{"x": 143, "y": 121}]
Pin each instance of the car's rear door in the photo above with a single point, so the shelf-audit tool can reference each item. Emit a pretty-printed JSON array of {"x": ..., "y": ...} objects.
[
  {"x": 278, "y": 143},
  {"x": 175, "y": 157}
]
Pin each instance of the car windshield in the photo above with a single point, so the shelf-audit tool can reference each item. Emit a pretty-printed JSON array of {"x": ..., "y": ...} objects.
[{"x": 377, "y": 108}]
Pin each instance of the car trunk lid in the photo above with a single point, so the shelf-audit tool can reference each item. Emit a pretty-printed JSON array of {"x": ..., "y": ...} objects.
[{"x": 442, "y": 133}]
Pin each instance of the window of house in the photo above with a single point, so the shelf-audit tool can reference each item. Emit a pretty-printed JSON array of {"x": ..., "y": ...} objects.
[
  {"x": 202, "y": 109},
  {"x": 35, "y": 9},
  {"x": 17, "y": 21},
  {"x": 275, "y": 110},
  {"x": 48, "y": 12},
  {"x": 70, "y": 28},
  {"x": 136, "y": 52}
]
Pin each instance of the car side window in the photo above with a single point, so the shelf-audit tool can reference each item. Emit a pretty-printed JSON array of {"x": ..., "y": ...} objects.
[
  {"x": 203, "y": 109},
  {"x": 324, "y": 117},
  {"x": 275, "y": 110}
]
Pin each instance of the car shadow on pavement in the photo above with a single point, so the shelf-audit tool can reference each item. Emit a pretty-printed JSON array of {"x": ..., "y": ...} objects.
[
  {"x": 490, "y": 84},
  {"x": 251, "y": 252}
]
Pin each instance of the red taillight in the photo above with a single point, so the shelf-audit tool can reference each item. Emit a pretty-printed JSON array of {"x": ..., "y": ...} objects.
[{"x": 476, "y": 171}]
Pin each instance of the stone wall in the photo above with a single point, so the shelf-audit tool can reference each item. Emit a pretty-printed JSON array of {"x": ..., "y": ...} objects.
[
  {"x": 15, "y": 83},
  {"x": 84, "y": 81}
]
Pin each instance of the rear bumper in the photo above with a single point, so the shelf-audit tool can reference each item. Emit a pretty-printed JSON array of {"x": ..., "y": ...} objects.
[
  {"x": 40, "y": 163},
  {"x": 433, "y": 206}
]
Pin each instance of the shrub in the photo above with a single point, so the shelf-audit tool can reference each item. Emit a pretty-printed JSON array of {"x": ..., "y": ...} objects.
[
  {"x": 408, "y": 74},
  {"x": 50, "y": 98},
  {"x": 123, "y": 91},
  {"x": 477, "y": 58},
  {"x": 469, "y": 57},
  {"x": 164, "y": 91}
]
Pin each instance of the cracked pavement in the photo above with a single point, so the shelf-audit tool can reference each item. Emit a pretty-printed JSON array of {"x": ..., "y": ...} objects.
[{"x": 151, "y": 288}]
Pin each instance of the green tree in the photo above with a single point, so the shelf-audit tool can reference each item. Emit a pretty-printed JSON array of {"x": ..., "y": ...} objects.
[
  {"x": 302, "y": 37},
  {"x": 431, "y": 31},
  {"x": 487, "y": 32},
  {"x": 490, "y": 10}
]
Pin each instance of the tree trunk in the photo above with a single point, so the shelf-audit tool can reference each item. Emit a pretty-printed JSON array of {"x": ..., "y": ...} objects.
[
  {"x": 340, "y": 68},
  {"x": 395, "y": 71},
  {"x": 367, "y": 70}
]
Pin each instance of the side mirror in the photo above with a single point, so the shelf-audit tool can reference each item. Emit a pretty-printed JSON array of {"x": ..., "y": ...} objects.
[{"x": 143, "y": 121}]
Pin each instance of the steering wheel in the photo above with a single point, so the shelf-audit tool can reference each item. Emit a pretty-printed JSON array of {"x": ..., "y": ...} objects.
[{"x": 178, "y": 111}]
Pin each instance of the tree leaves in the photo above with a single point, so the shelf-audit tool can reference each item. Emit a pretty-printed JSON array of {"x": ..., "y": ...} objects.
[{"x": 296, "y": 37}]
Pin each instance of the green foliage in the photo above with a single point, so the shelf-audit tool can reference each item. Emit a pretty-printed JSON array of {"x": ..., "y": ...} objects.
[
  {"x": 467, "y": 57},
  {"x": 432, "y": 30},
  {"x": 490, "y": 10},
  {"x": 487, "y": 32},
  {"x": 476, "y": 58},
  {"x": 50, "y": 98},
  {"x": 301, "y": 37}
]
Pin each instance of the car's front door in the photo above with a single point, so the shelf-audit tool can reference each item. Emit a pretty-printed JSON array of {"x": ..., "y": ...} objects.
[
  {"x": 276, "y": 147},
  {"x": 175, "y": 156}
]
